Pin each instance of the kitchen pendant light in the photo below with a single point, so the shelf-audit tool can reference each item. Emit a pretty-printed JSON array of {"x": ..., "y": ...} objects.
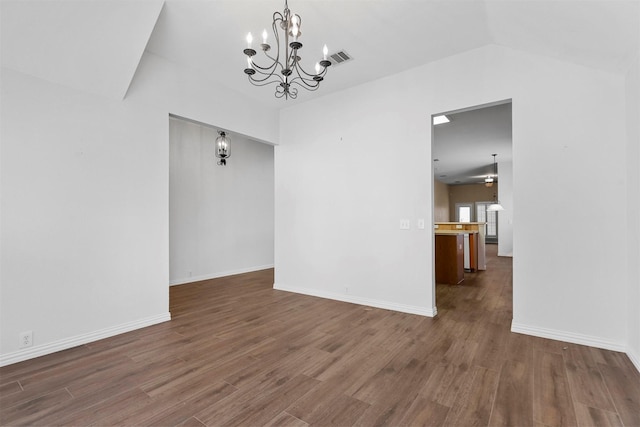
[
  {"x": 488, "y": 181},
  {"x": 495, "y": 206}
]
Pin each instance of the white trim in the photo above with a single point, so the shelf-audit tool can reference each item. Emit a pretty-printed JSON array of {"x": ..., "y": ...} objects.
[
  {"x": 220, "y": 274},
  {"x": 565, "y": 336},
  {"x": 63, "y": 344},
  {"x": 411, "y": 309},
  {"x": 634, "y": 358}
]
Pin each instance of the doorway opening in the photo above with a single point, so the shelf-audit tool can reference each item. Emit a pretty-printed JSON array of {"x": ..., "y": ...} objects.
[
  {"x": 466, "y": 181},
  {"x": 221, "y": 217}
]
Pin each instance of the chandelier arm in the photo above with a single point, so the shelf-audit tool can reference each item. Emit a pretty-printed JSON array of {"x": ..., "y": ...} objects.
[
  {"x": 267, "y": 79},
  {"x": 306, "y": 85},
  {"x": 299, "y": 68},
  {"x": 277, "y": 17},
  {"x": 270, "y": 71},
  {"x": 273, "y": 67},
  {"x": 262, "y": 70},
  {"x": 264, "y": 83},
  {"x": 309, "y": 80},
  {"x": 304, "y": 82},
  {"x": 267, "y": 71},
  {"x": 267, "y": 76},
  {"x": 276, "y": 59}
]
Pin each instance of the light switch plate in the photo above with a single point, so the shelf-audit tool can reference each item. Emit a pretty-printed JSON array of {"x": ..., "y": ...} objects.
[
  {"x": 421, "y": 223},
  {"x": 459, "y": 226},
  {"x": 404, "y": 224}
]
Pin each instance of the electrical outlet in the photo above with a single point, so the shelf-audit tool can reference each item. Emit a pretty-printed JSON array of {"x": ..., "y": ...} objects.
[{"x": 26, "y": 339}]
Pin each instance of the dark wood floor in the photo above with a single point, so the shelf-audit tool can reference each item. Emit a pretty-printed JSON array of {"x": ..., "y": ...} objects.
[{"x": 239, "y": 353}]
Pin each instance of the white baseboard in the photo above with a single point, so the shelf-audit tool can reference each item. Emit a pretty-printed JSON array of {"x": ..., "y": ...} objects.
[
  {"x": 635, "y": 359},
  {"x": 411, "y": 309},
  {"x": 52, "y": 347},
  {"x": 565, "y": 336},
  {"x": 176, "y": 282}
]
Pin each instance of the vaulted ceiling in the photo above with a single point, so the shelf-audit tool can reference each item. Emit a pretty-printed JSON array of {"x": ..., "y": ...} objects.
[
  {"x": 387, "y": 36},
  {"x": 95, "y": 45}
]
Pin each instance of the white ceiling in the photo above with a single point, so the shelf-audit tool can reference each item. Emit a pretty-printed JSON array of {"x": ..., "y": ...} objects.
[
  {"x": 464, "y": 146},
  {"x": 385, "y": 37},
  {"x": 388, "y": 36},
  {"x": 96, "y": 45}
]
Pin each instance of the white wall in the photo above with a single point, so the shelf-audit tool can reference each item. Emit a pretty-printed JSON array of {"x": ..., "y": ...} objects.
[
  {"x": 84, "y": 184},
  {"x": 633, "y": 213},
  {"x": 220, "y": 217},
  {"x": 85, "y": 201},
  {"x": 84, "y": 242},
  {"x": 199, "y": 96},
  {"x": 351, "y": 164},
  {"x": 346, "y": 173},
  {"x": 505, "y": 217}
]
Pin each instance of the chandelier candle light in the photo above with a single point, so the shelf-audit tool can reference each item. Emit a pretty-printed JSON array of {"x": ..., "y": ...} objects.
[{"x": 288, "y": 72}]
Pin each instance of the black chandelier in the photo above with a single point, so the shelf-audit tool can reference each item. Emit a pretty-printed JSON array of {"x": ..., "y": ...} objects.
[{"x": 285, "y": 75}]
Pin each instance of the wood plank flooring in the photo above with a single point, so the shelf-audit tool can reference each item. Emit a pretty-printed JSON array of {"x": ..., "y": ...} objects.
[{"x": 239, "y": 353}]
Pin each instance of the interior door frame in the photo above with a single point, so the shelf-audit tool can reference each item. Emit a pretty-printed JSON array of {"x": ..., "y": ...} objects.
[{"x": 431, "y": 126}]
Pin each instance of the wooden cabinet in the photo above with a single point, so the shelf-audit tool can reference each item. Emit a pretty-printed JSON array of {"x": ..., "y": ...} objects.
[
  {"x": 449, "y": 258},
  {"x": 473, "y": 251},
  {"x": 477, "y": 249}
]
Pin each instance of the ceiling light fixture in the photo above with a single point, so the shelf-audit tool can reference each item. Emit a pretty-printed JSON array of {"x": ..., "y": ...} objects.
[
  {"x": 488, "y": 181},
  {"x": 438, "y": 120},
  {"x": 287, "y": 72},
  {"x": 223, "y": 149},
  {"x": 495, "y": 206}
]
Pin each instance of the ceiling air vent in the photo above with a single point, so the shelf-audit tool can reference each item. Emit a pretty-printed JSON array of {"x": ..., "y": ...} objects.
[{"x": 339, "y": 57}]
